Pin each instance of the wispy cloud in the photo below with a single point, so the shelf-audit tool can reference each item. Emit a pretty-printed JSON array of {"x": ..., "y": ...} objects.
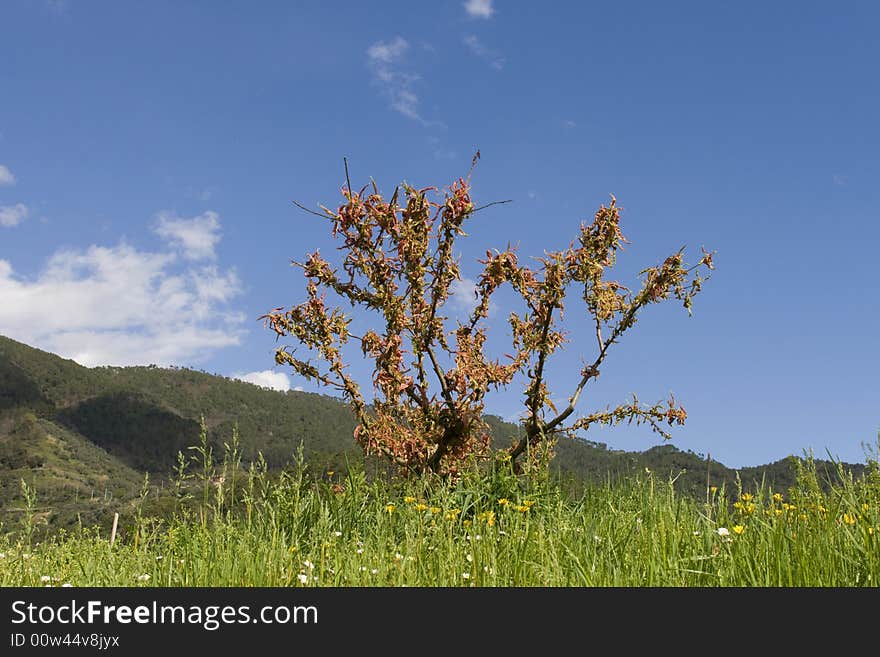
[
  {"x": 839, "y": 179},
  {"x": 195, "y": 237},
  {"x": 6, "y": 177},
  {"x": 479, "y": 8},
  {"x": 384, "y": 59},
  {"x": 568, "y": 123},
  {"x": 12, "y": 215},
  {"x": 266, "y": 379},
  {"x": 477, "y": 47},
  {"x": 464, "y": 296},
  {"x": 122, "y": 306}
]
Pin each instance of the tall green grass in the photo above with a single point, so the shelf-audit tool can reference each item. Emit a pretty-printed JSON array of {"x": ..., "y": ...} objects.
[{"x": 247, "y": 528}]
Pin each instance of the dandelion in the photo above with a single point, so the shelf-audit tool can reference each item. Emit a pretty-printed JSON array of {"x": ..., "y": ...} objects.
[
  {"x": 738, "y": 529},
  {"x": 435, "y": 509},
  {"x": 143, "y": 578},
  {"x": 777, "y": 497},
  {"x": 389, "y": 508},
  {"x": 522, "y": 508},
  {"x": 723, "y": 532},
  {"x": 747, "y": 497},
  {"x": 870, "y": 530},
  {"x": 866, "y": 507},
  {"x": 330, "y": 473},
  {"x": 409, "y": 499},
  {"x": 504, "y": 501},
  {"x": 421, "y": 507},
  {"x": 528, "y": 503},
  {"x": 713, "y": 489},
  {"x": 778, "y": 512},
  {"x": 849, "y": 518},
  {"x": 452, "y": 514},
  {"x": 303, "y": 578},
  {"x": 45, "y": 578}
]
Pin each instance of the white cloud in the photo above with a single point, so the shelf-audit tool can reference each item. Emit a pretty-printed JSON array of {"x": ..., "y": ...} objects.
[
  {"x": 464, "y": 296},
  {"x": 839, "y": 179},
  {"x": 195, "y": 237},
  {"x": 383, "y": 59},
  {"x": 479, "y": 8},
  {"x": 386, "y": 53},
  {"x": 267, "y": 379},
  {"x": 120, "y": 306},
  {"x": 478, "y": 48},
  {"x": 12, "y": 215},
  {"x": 6, "y": 177}
]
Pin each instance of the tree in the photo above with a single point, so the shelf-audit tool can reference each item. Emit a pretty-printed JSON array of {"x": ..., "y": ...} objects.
[{"x": 430, "y": 380}]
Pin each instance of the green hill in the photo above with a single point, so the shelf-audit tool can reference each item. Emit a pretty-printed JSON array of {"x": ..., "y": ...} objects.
[{"x": 84, "y": 438}]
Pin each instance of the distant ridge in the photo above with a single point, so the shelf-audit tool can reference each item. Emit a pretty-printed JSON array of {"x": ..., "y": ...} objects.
[{"x": 85, "y": 437}]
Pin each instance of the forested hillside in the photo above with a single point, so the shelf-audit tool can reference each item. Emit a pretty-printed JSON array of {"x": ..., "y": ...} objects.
[{"x": 84, "y": 438}]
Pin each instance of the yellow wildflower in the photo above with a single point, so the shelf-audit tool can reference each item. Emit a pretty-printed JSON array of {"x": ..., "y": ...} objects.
[
  {"x": 504, "y": 501},
  {"x": 409, "y": 499},
  {"x": 777, "y": 497},
  {"x": 849, "y": 518},
  {"x": 435, "y": 509},
  {"x": 747, "y": 497},
  {"x": 390, "y": 508},
  {"x": 738, "y": 529},
  {"x": 421, "y": 507}
]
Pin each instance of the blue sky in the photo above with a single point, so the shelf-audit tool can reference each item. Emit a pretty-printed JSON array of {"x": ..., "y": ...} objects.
[{"x": 150, "y": 154}]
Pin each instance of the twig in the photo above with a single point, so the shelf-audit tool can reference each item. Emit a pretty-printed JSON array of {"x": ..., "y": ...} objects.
[
  {"x": 302, "y": 207},
  {"x": 489, "y": 205}
]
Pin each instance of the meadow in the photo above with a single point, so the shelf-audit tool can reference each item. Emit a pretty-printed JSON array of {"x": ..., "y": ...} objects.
[{"x": 243, "y": 527}]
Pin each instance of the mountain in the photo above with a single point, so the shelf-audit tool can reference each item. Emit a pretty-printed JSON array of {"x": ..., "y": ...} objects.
[{"x": 85, "y": 438}]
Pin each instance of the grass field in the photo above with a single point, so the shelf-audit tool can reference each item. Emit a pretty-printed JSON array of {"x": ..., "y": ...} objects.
[{"x": 245, "y": 528}]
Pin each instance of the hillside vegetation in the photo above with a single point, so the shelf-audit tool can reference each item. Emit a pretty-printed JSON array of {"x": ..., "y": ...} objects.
[{"x": 83, "y": 439}]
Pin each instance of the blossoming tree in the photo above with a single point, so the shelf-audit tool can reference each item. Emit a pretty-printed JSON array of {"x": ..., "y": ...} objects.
[{"x": 430, "y": 377}]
